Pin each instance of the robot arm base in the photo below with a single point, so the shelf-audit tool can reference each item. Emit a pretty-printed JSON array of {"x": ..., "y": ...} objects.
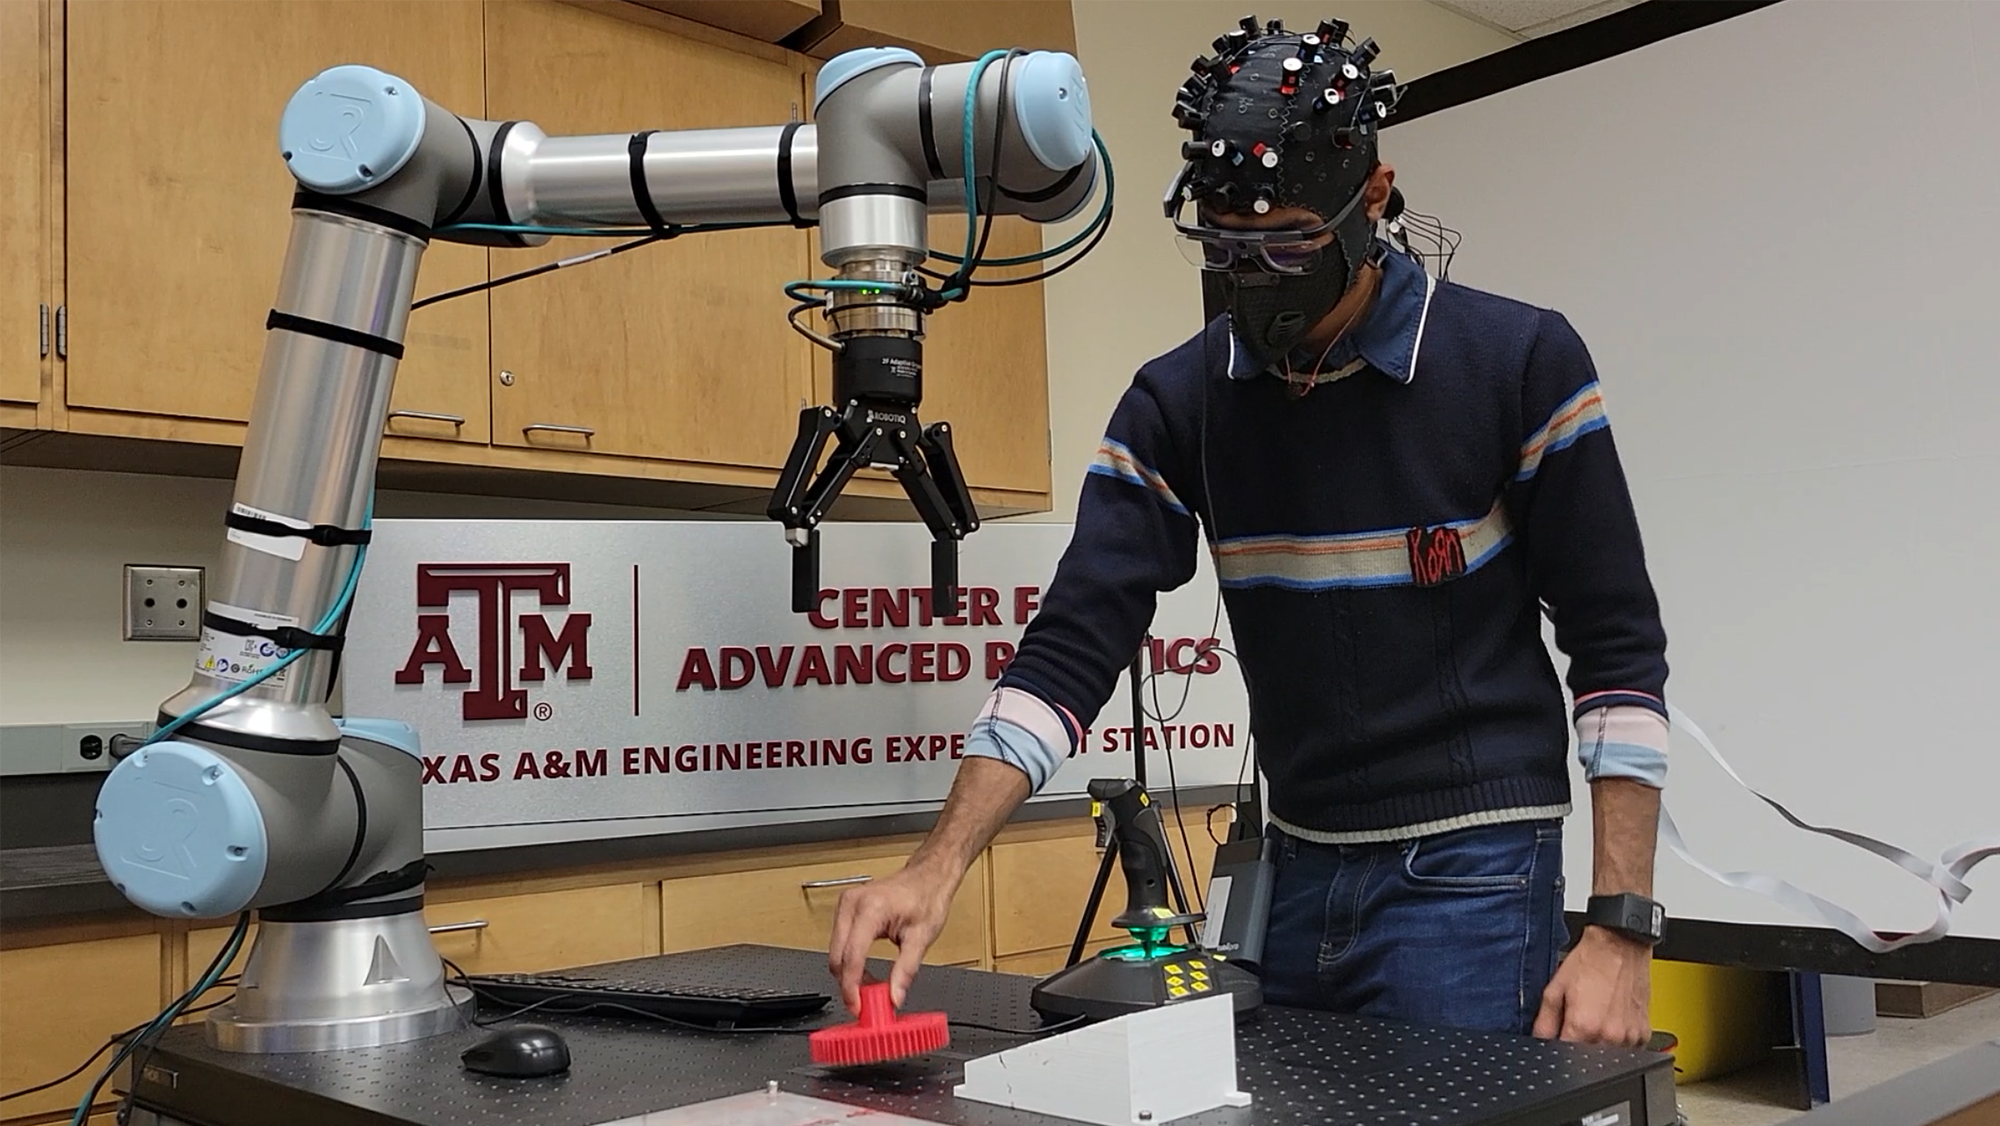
[{"x": 192, "y": 830}]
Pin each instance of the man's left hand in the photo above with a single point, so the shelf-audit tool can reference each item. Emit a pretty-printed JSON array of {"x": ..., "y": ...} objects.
[{"x": 1601, "y": 992}]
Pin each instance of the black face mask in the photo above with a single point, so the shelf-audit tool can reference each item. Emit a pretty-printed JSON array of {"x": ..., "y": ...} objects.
[{"x": 1272, "y": 313}]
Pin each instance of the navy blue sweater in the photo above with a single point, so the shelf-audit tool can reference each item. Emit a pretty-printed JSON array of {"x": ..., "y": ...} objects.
[{"x": 1387, "y": 545}]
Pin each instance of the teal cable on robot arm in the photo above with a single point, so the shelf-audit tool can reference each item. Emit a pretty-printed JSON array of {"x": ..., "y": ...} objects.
[{"x": 330, "y": 622}]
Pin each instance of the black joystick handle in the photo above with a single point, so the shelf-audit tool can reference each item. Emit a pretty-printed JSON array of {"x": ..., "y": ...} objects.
[{"x": 1142, "y": 852}]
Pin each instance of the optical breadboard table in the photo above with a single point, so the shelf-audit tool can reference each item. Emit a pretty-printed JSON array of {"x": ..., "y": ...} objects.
[{"x": 1299, "y": 1066}]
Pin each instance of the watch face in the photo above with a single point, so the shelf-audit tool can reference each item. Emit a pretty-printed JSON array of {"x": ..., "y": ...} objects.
[{"x": 1634, "y": 915}]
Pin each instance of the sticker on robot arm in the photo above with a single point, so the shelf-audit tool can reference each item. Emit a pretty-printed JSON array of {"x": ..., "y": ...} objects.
[
  {"x": 284, "y": 547},
  {"x": 233, "y": 659}
]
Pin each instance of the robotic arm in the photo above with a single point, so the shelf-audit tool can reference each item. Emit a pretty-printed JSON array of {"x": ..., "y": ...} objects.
[
  {"x": 250, "y": 795},
  {"x": 899, "y": 143}
]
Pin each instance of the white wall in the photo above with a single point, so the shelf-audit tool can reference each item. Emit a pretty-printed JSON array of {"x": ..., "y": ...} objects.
[
  {"x": 1801, "y": 384},
  {"x": 1135, "y": 297},
  {"x": 64, "y": 536}
]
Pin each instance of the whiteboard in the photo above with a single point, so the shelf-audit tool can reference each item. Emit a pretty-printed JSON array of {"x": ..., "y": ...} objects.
[{"x": 1780, "y": 237}]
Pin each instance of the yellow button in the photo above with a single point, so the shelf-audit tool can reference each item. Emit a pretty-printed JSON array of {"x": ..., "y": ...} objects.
[
  {"x": 1199, "y": 976},
  {"x": 1220, "y": 957},
  {"x": 1171, "y": 969},
  {"x": 1177, "y": 992},
  {"x": 1176, "y": 981},
  {"x": 1201, "y": 987}
]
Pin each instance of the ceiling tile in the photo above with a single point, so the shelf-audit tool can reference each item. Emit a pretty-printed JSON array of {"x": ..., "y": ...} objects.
[
  {"x": 1575, "y": 19},
  {"x": 1515, "y": 15}
]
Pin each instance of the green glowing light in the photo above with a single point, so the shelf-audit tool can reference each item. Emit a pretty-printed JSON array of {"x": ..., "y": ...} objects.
[{"x": 1150, "y": 943}]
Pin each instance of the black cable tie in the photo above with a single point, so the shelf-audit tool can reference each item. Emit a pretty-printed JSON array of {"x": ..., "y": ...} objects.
[
  {"x": 360, "y": 819},
  {"x": 472, "y": 183},
  {"x": 349, "y": 902},
  {"x": 306, "y": 200},
  {"x": 339, "y": 334},
  {"x": 496, "y": 191},
  {"x": 642, "y": 194},
  {"x": 324, "y": 535},
  {"x": 788, "y": 195},
  {"x": 290, "y": 637},
  {"x": 926, "y": 129}
]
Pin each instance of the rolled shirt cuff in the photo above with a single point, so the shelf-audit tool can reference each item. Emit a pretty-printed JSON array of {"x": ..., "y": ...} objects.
[
  {"x": 1024, "y": 731},
  {"x": 1623, "y": 741}
]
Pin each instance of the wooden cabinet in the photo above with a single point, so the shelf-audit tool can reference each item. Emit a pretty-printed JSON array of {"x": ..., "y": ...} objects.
[
  {"x": 1042, "y": 877},
  {"x": 769, "y": 21},
  {"x": 142, "y": 190},
  {"x": 986, "y": 366},
  {"x": 676, "y": 351},
  {"x": 63, "y": 1001},
  {"x": 542, "y": 930},
  {"x": 1049, "y": 866},
  {"x": 509, "y": 932},
  {"x": 25, "y": 298},
  {"x": 946, "y": 32},
  {"x": 177, "y": 197},
  {"x": 203, "y": 944},
  {"x": 1042, "y": 963},
  {"x": 512, "y": 932},
  {"x": 795, "y": 905},
  {"x": 1016, "y": 912}
]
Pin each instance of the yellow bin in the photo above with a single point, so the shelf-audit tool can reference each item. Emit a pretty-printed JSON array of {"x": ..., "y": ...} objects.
[{"x": 1723, "y": 1018}]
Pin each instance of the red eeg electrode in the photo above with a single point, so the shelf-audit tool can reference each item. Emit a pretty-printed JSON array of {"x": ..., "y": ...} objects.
[{"x": 880, "y": 1034}]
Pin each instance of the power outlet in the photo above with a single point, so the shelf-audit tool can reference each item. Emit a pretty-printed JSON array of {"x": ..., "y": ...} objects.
[
  {"x": 162, "y": 603},
  {"x": 99, "y": 746}
]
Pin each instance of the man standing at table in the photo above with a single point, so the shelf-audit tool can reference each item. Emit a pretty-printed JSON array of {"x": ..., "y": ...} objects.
[{"x": 1397, "y": 478}]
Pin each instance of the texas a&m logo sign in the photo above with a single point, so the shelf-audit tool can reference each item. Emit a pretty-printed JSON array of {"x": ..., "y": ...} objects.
[{"x": 545, "y": 647}]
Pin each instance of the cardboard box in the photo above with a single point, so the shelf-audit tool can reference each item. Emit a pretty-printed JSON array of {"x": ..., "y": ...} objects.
[{"x": 1924, "y": 998}]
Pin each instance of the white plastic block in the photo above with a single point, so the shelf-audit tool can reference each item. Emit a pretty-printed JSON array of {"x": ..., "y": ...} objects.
[
  {"x": 1152, "y": 1066},
  {"x": 769, "y": 1107}
]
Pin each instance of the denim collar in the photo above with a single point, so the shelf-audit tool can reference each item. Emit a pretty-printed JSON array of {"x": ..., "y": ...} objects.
[{"x": 1386, "y": 341}]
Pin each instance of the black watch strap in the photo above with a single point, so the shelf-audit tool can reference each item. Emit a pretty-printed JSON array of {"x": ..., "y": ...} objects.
[{"x": 1633, "y": 916}]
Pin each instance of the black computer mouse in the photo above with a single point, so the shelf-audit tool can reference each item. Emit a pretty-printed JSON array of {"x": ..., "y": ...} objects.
[{"x": 524, "y": 1051}]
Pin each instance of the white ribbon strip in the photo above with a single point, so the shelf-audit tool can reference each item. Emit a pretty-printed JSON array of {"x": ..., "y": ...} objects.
[{"x": 1946, "y": 877}]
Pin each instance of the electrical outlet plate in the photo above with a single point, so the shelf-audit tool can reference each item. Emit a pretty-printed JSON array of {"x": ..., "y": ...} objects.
[
  {"x": 63, "y": 748},
  {"x": 86, "y": 747},
  {"x": 162, "y": 603}
]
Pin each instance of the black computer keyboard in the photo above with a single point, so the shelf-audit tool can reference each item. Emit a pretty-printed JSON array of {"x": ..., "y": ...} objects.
[{"x": 611, "y": 996}]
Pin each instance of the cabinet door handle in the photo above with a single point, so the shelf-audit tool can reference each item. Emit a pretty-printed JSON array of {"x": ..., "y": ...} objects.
[
  {"x": 554, "y": 428},
  {"x": 454, "y": 928},
  {"x": 430, "y": 416},
  {"x": 844, "y": 881}
]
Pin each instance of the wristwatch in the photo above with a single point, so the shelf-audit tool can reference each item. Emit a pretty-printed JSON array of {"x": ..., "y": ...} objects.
[{"x": 1634, "y": 916}]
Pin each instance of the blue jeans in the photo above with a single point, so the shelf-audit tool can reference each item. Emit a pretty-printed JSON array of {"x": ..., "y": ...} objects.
[{"x": 1461, "y": 929}]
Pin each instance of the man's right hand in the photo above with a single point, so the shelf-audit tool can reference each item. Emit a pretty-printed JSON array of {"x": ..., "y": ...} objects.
[{"x": 908, "y": 908}]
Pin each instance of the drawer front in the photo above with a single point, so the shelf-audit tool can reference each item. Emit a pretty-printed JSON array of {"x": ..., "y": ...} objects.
[
  {"x": 202, "y": 947},
  {"x": 546, "y": 930},
  {"x": 1039, "y": 889},
  {"x": 1040, "y": 886},
  {"x": 62, "y": 1002},
  {"x": 1042, "y": 963},
  {"x": 794, "y": 906}
]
